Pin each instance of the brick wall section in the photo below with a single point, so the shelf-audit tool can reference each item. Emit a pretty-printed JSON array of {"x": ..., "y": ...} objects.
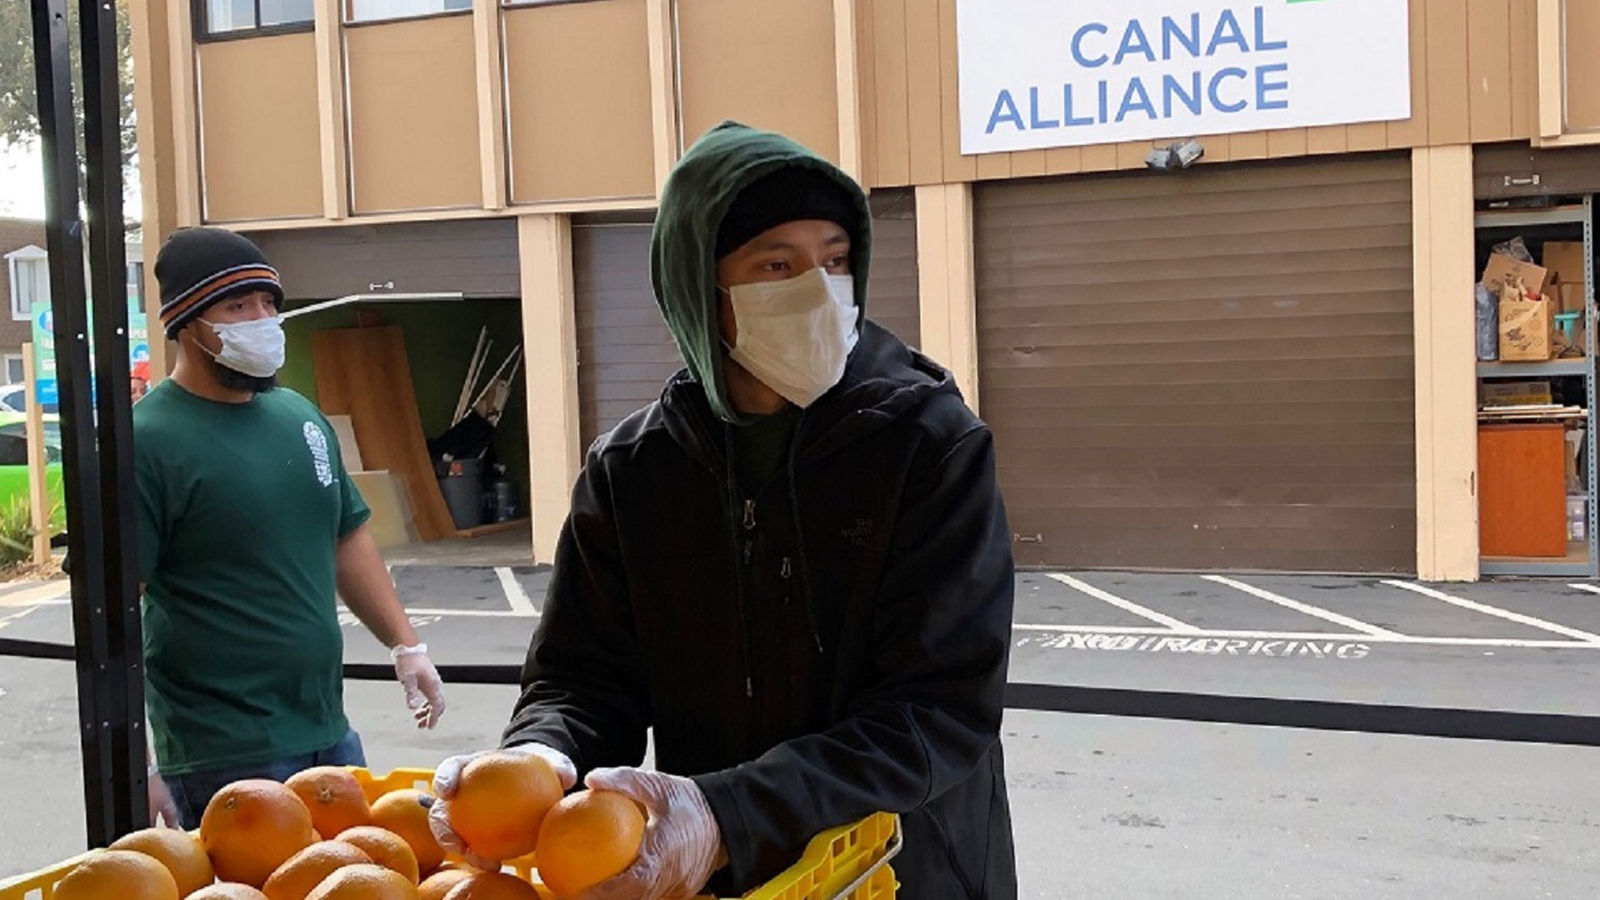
[{"x": 14, "y": 235}]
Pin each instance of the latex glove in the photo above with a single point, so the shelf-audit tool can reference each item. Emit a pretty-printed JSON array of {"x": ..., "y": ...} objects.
[
  {"x": 424, "y": 690},
  {"x": 448, "y": 775},
  {"x": 682, "y": 843},
  {"x": 161, "y": 802}
]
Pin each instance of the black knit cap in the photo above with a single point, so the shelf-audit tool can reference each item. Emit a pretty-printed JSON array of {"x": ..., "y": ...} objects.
[
  {"x": 199, "y": 267},
  {"x": 790, "y": 194}
]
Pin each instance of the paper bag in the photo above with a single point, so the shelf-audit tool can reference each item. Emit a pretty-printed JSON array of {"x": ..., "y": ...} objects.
[{"x": 1527, "y": 327}]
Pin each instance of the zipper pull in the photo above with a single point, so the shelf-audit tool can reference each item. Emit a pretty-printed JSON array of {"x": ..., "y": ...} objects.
[
  {"x": 749, "y": 688},
  {"x": 784, "y": 572},
  {"x": 749, "y": 514}
]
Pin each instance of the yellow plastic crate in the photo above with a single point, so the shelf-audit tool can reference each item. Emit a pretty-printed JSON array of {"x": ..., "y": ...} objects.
[{"x": 850, "y": 862}]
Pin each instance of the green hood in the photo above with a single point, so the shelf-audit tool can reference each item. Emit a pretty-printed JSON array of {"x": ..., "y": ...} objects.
[{"x": 683, "y": 267}]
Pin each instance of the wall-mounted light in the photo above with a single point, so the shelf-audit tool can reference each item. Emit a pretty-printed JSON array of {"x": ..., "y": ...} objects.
[{"x": 1175, "y": 157}]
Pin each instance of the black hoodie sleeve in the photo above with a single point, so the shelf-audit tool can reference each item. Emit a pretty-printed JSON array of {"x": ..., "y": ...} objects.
[
  {"x": 930, "y": 707},
  {"x": 583, "y": 691}
]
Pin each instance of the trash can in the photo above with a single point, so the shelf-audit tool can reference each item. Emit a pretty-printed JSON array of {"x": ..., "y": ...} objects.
[{"x": 462, "y": 487}]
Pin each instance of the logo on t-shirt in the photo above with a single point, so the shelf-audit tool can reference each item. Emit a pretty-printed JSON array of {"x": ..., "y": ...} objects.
[{"x": 318, "y": 444}]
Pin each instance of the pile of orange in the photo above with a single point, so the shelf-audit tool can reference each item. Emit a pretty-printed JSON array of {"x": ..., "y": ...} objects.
[{"x": 317, "y": 837}]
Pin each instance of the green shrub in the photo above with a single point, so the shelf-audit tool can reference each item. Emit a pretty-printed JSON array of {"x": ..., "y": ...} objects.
[{"x": 16, "y": 533}]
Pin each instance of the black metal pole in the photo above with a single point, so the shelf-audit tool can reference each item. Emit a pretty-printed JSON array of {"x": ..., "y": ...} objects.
[
  {"x": 103, "y": 707},
  {"x": 102, "y": 126}
]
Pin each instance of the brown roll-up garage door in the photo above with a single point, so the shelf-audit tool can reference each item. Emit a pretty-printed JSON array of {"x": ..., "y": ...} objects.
[
  {"x": 1212, "y": 370},
  {"x": 892, "y": 298},
  {"x": 625, "y": 352}
]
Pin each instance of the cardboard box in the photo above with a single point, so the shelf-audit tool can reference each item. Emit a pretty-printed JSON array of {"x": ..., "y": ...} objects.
[
  {"x": 1517, "y": 393},
  {"x": 1564, "y": 260},
  {"x": 1527, "y": 330},
  {"x": 392, "y": 522},
  {"x": 1503, "y": 270}
]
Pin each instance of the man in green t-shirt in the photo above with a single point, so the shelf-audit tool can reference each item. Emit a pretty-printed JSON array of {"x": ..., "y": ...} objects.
[{"x": 248, "y": 527}]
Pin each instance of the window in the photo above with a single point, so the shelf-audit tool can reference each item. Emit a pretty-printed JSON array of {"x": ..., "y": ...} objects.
[
  {"x": 136, "y": 281},
  {"x": 30, "y": 281},
  {"x": 374, "y": 10},
  {"x": 14, "y": 398},
  {"x": 14, "y": 443},
  {"x": 224, "y": 17},
  {"x": 13, "y": 363}
]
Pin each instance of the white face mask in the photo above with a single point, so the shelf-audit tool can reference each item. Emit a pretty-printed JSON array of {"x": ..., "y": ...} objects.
[
  {"x": 795, "y": 335},
  {"x": 253, "y": 348}
]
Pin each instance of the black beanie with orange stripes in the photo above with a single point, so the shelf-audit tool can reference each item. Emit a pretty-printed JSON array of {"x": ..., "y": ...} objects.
[{"x": 199, "y": 267}]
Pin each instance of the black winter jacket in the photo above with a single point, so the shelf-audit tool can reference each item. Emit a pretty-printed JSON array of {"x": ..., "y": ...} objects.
[{"x": 833, "y": 646}]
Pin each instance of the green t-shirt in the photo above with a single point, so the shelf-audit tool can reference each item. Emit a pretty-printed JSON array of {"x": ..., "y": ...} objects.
[
  {"x": 241, "y": 507},
  {"x": 761, "y": 448}
]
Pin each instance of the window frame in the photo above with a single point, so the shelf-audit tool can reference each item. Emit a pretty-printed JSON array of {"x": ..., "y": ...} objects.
[
  {"x": 347, "y": 12},
  {"x": 522, "y": 4},
  {"x": 8, "y": 359},
  {"x": 32, "y": 254},
  {"x": 199, "y": 11}
]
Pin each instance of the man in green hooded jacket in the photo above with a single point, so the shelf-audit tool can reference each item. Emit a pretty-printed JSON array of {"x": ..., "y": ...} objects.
[{"x": 794, "y": 567}]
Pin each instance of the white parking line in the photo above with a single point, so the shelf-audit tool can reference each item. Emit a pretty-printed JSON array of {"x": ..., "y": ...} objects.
[
  {"x": 515, "y": 595},
  {"x": 1308, "y": 609},
  {"x": 7, "y": 620},
  {"x": 1173, "y": 625},
  {"x": 1585, "y": 587},
  {"x": 1514, "y": 643},
  {"x": 1488, "y": 610}
]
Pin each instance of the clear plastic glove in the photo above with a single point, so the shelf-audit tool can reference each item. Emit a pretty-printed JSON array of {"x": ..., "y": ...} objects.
[
  {"x": 162, "y": 806},
  {"x": 448, "y": 774},
  {"x": 682, "y": 843},
  {"x": 423, "y": 687}
]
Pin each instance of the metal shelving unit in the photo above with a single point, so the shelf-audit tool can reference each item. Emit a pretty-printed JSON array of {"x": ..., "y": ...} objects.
[
  {"x": 1535, "y": 370},
  {"x": 1525, "y": 218}
]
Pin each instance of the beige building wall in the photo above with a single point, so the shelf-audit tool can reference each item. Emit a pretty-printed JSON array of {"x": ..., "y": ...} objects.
[
  {"x": 1447, "y": 387},
  {"x": 766, "y": 63},
  {"x": 1581, "y": 59},
  {"x": 871, "y": 84},
  {"x": 578, "y": 97},
  {"x": 1472, "y": 73},
  {"x": 259, "y": 156},
  {"x": 397, "y": 121},
  {"x": 550, "y": 336},
  {"x": 413, "y": 115}
]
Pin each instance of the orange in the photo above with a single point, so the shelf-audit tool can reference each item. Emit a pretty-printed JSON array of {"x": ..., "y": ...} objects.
[
  {"x": 492, "y": 886},
  {"x": 227, "y": 890},
  {"x": 439, "y": 883},
  {"x": 588, "y": 837},
  {"x": 252, "y": 827},
  {"x": 386, "y": 848},
  {"x": 305, "y": 870},
  {"x": 365, "y": 882},
  {"x": 404, "y": 813},
  {"x": 119, "y": 874},
  {"x": 178, "y": 850},
  {"x": 334, "y": 797},
  {"x": 500, "y": 802}
]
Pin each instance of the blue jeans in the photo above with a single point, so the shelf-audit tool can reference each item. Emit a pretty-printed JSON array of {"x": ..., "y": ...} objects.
[{"x": 193, "y": 790}]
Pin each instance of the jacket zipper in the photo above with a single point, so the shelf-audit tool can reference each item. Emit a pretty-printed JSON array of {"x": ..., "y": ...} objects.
[
  {"x": 749, "y": 526},
  {"x": 749, "y": 544}
]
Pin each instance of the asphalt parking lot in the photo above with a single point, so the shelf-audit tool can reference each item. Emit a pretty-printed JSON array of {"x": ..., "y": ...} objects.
[{"x": 1103, "y": 804}]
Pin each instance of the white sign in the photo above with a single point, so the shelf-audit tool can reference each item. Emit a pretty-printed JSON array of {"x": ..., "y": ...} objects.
[{"x": 1065, "y": 73}]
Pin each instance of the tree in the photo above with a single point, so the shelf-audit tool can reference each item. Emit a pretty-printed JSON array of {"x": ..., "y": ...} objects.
[{"x": 19, "y": 105}]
